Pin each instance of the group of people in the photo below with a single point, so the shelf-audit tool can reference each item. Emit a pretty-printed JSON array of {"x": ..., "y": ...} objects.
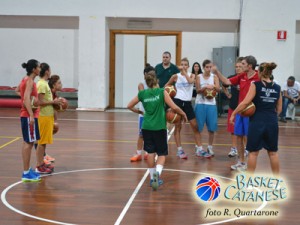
[
  {"x": 37, "y": 117},
  {"x": 247, "y": 85}
]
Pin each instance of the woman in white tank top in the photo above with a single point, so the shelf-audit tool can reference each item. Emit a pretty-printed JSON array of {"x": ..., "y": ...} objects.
[
  {"x": 205, "y": 108},
  {"x": 184, "y": 83}
]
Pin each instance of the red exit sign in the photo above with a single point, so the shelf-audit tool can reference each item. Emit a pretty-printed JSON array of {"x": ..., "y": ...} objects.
[{"x": 281, "y": 35}]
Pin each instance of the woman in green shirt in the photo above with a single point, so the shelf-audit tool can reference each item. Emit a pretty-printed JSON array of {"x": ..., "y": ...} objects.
[{"x": 154, "y": 127}]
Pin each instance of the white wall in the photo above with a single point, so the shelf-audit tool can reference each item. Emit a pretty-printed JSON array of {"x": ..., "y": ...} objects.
[
  {"x": 156, "y": 45},
  {"x": 198, "y": 46},
  {"x": 54, "y": 46},
  {"x": 129, "y": 67},
  {"x": 259, "y": 25},
  {"x": 297, "y": 59}
]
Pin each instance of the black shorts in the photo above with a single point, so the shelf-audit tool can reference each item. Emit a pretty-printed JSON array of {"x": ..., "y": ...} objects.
[
  {"x": 262, "y": 135},
  {"x": 155, "y": 141},
  {"x": 186, "y": 107}
]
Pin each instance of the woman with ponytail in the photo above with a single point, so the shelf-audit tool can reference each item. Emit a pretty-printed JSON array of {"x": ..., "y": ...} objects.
[
  {"x": 46, "y": 118},
  {"x": 263, "y": 126},
  {"x": 154, "y": 127},
  {"x": 29, "y": 123}
]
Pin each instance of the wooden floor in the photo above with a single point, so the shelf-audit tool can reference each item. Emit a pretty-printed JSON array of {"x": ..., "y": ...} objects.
[{"x": 95, "y": 183}]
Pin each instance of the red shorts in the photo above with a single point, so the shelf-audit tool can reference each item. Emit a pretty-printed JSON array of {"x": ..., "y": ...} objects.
[{"x": 230, "y": 126}]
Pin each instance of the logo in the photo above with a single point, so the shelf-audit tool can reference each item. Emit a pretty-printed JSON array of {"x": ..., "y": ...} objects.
[{"x": 208, "y": 189}]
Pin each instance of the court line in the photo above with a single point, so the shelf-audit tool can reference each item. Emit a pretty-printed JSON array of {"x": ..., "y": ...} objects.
[
  {"x": 126, "y": 141},
  {"x": 134, "y": 121},
  {"x": 17, "y": 138},
  {"x": 134, "y": 194},
  {"x": 3, "y": 194}
]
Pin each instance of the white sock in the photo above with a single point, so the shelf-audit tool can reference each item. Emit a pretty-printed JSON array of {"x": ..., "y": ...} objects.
[
  {"x": 152, "y": 171},
  {"x": 139, "y": 152},
  {"x": 210, "y": 147},
  {"x": 199, "y": 148},
  {"x": 179, "y": 148},
  {"x": 26, "y": 172},
  {"x": 159, "y": 168}
]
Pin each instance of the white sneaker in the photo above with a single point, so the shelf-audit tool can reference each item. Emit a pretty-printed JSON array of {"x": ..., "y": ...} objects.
[
  {"x": 210, "y": 151},
  {"x": 242, "y": 168},
  {"x": 233, "y": 152},
  {"x": 202, "y": 153},
  {"x": 239, "y": 166}
]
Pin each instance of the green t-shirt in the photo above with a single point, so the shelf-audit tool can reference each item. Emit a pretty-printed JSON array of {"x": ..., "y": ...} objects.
[
  {"x": 164, "y": 75},
  {"x": 153, "y": 102},
  {"x": 43, "y": 88}
]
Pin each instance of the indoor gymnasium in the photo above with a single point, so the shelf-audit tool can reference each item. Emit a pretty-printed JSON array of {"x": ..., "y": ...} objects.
[{"x": 149, "y": 112}]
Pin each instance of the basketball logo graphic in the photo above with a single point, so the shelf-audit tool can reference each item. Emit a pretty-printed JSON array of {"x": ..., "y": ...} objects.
[{"x": 208, "y": 189}]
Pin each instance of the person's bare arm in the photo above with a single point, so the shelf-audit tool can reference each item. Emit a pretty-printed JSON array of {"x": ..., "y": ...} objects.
[
  {"x": 279, "y": 105},
  {"x": 27, "y": 93},
  {"x": 222, "y": 78},
  {"x": 172, "y": 80},
  {"x": 132, "y": 103},
  {"x": 247, "y": 100},
  {"x": 140, "y": 87},
  {"x": 217, "y": 84}
]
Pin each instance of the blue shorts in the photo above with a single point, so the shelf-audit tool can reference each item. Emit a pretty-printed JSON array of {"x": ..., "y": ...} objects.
[
  {"x": 30, "y": 134},
  {"x": 262, "y": 135},
  {"x": 141, "y": 119},
  {"x": 241, "y": 125},
  {"x": 207, "y": 114}
]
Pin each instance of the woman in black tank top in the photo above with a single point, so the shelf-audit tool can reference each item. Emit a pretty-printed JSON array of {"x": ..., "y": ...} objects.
[{"x": 263, "y": 126}]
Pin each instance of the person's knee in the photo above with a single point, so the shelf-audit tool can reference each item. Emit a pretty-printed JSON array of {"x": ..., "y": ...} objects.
[{"x": 272, "y": 154}]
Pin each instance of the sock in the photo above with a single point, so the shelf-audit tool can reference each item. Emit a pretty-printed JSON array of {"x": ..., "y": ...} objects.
[
  {"x": 159, "y": 168},
  {"x": 152, "y": 171},
  {"x": 139, "y": 152},
  {"x": 26, "y": 172},
  {"x": 209, "y": 147},
  {"x": 179, "y": 148},
  {"x": 199, "y": 148}
]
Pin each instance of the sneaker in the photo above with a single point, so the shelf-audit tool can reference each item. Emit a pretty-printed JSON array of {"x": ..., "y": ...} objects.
[
  {"x": 283, "y": 120},
  {"x": 156, "y": 182},
  {"x": 46, "y": 162},
  {"x": 239, "y": 166},
  {"x": 210, "y": 151},
  {"x": 145, "y": 156},
  {"x": 42, "y": 169},
  {"x": 136, "y": 158},
  {"x": 202, "y": 153},
  {"x": 246, "y": 153},
  {"x": 35, "y": 173},
  {"x": 51, "y": 167},
  {"x": 160, "y": 182},
  {"x": 242, "y": 168},
  {"x": 49, "y": 158},
  {"x": 233, "y": 152},
  {"x": 31, "y": 176},
  {"x": 181, "y": 154}
]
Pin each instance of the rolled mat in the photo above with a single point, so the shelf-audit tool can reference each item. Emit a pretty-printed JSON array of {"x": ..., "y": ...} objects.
[{"x": 10, "y": 103}]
